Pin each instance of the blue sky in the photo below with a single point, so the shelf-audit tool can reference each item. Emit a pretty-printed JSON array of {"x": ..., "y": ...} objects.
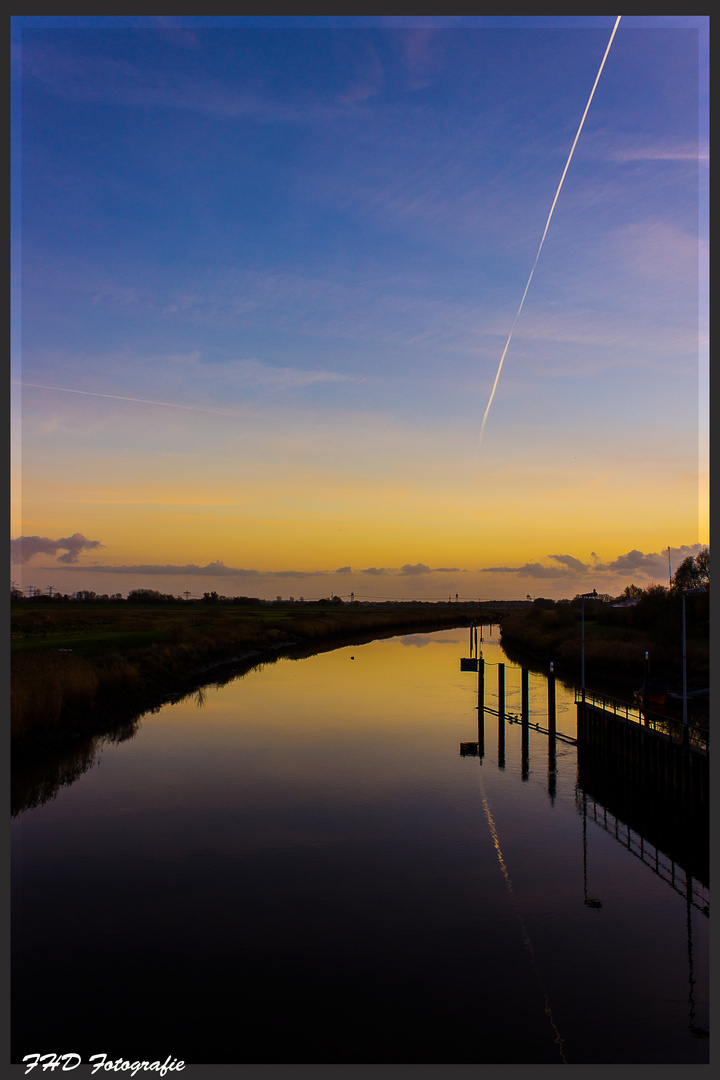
[{"x": 265, "y": 269}]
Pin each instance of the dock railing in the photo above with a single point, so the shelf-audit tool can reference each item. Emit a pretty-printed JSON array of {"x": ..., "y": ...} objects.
[{"x": 669, "y": 726}]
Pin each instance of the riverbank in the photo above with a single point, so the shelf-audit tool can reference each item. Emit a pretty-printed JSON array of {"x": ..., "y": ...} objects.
[
  {"x": 79, "y": 669},
  {"x": 614, "y": 652}
]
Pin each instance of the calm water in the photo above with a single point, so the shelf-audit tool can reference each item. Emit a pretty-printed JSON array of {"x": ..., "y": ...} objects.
[{"x": 302, "y": 867}]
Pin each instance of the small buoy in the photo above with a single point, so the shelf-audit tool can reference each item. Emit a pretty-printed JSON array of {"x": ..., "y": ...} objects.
[{"x": 352, "y": 657}]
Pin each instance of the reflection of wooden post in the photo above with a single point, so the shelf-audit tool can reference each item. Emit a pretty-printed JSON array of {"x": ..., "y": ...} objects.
[
  {"x": 552, "y": 774},
  {"x": 551, "y": 702},
  {"x": 525, "y": 742},
  {"x": 525, "y": 751}
]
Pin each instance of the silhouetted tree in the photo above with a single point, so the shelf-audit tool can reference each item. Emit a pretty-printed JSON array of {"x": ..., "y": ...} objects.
[
  {"x": 693, "y": 572},
  {"x": 149, "y": 596}
]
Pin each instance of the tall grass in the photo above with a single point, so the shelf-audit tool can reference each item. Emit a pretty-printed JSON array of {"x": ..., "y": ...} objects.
[
  {"x": 59, "y": 691},
  {"x": 47, "y": 687}
]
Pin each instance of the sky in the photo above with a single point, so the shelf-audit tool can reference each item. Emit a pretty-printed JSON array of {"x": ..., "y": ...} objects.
[{"x": 264, "y": 273}]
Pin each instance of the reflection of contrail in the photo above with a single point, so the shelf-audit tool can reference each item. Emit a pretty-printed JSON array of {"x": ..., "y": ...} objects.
[
  {"x": 119, "y": 397},
  {"x": 547, "y": 226},
  {"x": 557, "y": 1037}
]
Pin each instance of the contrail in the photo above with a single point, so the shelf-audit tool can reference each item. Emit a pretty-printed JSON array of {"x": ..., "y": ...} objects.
[
  {"x": 119, "y": 397},
  {"x": 547, "y": 226}
]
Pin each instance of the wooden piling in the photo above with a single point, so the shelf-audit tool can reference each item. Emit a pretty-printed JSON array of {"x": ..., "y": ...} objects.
[
  {"x": 501, "y": 715},
  {"x": 501, "y": 692},
  {"x": 552, "y": 720}
]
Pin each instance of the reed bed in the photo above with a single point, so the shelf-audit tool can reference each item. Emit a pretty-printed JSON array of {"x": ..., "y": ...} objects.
[{"x": 67, "y": 674}]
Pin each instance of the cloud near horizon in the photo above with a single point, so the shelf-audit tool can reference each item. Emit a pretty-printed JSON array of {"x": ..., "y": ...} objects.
[
  {"x": 412, "y": 570},
  {"x": 25, "y": 548},
  {"x": 219, "y": 569},
  {"x": 650, "y": 565}
]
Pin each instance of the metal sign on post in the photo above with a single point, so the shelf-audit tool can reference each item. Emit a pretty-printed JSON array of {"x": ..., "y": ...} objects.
[{"x": 472, "y": 662}]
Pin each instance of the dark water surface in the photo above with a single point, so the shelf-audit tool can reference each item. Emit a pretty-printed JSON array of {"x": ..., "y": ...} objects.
[{"x": 303, "y": 868}]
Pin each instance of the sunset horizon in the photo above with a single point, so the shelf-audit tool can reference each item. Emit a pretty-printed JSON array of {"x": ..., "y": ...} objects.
[{"x": 264, "y": 273}]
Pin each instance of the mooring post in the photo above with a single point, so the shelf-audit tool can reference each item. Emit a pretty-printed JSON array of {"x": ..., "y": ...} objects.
[
  {"x": 501, "y": 692},
  {"x": 551, "y": 702},
  {"x": 481, "y": 706},
  {"x": 525, "y": 740}
]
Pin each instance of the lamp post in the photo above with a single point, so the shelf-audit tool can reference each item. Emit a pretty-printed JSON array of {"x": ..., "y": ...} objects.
[
  {"x": 583, "y": 597},
  {"x": 686, "y": 592}
]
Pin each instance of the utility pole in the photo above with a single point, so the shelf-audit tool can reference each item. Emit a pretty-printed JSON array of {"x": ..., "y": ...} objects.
[
  {"x": 686, "y": 592},
  {"x": 583, "y": 597}
]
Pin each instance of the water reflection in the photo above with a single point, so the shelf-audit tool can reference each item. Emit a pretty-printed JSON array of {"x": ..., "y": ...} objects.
[
  {"x": 36, "y": 781},
  {"x": 306, "y": 870},
  {"x": 667, "y": 822}
]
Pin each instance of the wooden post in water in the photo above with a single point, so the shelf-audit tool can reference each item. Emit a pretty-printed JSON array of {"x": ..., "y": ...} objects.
[
  {"x": 481, "y": 706},
  {"x": 525, "y": 741},
  {"x": 501, "y": 692},
  {"x": 501, "y": 715},
  {"x": 552, "y": 727}
]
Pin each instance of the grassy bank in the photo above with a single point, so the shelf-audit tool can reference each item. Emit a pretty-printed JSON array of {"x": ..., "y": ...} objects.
[{"x": 77, "y": 666}]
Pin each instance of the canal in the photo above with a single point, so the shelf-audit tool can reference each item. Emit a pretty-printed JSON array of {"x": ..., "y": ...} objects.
[{"x": 309, "y": 864}]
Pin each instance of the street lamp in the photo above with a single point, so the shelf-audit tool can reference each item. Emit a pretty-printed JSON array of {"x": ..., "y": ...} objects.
[
  {"x": 583, "y": 597},
  {"x": 686, "y": 592}
]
